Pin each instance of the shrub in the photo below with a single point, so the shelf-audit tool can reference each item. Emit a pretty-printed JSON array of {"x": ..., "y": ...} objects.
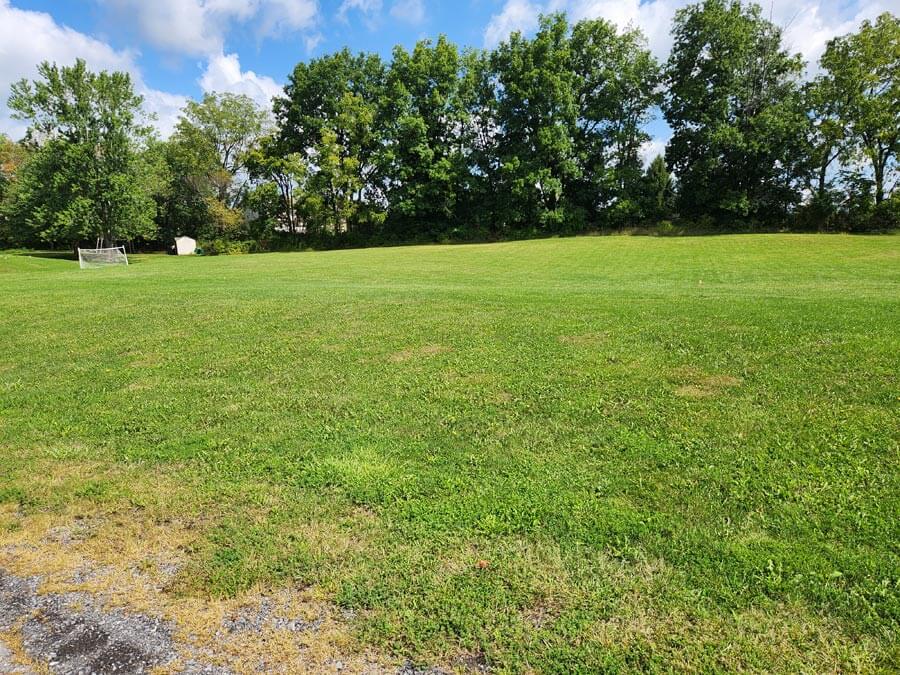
[
  {"x": 667, "y": 229},
  {"x": 227, "y": 247},
  {"x": 886, "y": 216}
]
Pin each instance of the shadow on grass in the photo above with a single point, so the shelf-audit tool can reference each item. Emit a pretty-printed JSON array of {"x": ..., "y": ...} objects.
[
  {"x": 133, "y": 259},
  {"x": 54, "y": 255}
]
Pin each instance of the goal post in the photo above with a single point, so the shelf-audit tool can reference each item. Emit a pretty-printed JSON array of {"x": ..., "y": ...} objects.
[{"x": 101, "y": 257}]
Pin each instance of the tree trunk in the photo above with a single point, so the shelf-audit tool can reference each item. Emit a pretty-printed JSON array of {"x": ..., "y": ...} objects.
[
  {"x": 879, "y": 180},
  {"x": 823, "y": 171}
]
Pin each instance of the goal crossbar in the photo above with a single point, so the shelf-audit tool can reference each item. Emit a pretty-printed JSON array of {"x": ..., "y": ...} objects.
[{"x": 101, "y": 257}]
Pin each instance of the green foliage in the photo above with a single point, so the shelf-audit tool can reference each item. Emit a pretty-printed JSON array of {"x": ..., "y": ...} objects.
[
  {"x": 536, "y": 113},
  {"x": 285, "y": 172},
  {"x": 331, "y": 113},
  {"x": 207, "y": 162},
  {"x": 85, "y": 179},
  {"x": 862, "y": 76},
  {"x": 226, "y": 246},
  {"x": 733, "y": 102},
  {"x": 221, "y": 221},
  {"x": 617, "y": 82},
  {"x": 426, "y": 119},
  {"x": 657, "y": 192},
  {"x": 219, "y": 131},
  {"x": 12, "y": 156}
]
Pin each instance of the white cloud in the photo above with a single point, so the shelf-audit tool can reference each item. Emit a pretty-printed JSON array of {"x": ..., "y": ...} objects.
[
  {"x": 410, "y": 11},
  {"x": 808, "y": 24},
  {"x": 370, "y": 10},
  {"x": 199, "y": 27},
  {"x": 165, "y": 107},
  {"x": 180, "y": 26},
  {"x": 27, "y": 38},
  {"x": 650, "y": 149},
  {"x": 287, "y": 16},
  {"x": 654, "y": 18},
  {"x": 516, "y": 15},
  {"x": 313, "y": 41},
  {"x": 223, "y": 73}
]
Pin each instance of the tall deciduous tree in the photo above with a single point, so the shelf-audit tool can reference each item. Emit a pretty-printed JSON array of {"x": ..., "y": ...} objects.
[
  {"x": 426, "y": 122},
  {"x": 334, "y": 105},
  {"x": 12, "y": 157},
  {"x": 536, "y": 114},
  {"x": 826, "y": 138},
  {"x": 617, "y": 81},
  {"x": 479, "y": 199},
  {"x": 734, "y": 107},
  {"x": 268, "y": 161},
  {"x": 656, "y": 191},
  {"x": 86, "y": 179},
  {"x": 862, "y": 73},
  {"x": 222, "y": 126}
]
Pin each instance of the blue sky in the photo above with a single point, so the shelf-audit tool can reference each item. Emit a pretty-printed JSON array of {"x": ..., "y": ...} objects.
[
  {"x": 180, "y": 48},
  {"x": 267, "y": 51}
]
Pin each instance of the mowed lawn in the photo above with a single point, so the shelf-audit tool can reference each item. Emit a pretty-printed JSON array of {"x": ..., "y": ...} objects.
[{"x": 561, "y": 455}]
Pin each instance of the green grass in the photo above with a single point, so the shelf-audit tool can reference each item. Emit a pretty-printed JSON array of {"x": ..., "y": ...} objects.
[{"x": 668, "y": 453}]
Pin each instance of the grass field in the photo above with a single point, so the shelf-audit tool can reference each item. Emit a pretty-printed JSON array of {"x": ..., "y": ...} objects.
[{"x": 562, "y": 455}]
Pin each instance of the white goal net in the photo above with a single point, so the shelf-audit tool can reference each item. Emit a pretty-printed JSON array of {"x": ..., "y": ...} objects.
[{"x": 101, "y": 257}]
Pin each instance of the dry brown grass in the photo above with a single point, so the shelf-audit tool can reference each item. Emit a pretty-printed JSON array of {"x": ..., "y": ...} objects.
[
  {"x": 789, "y": 637},
  {"x": 415, "y": 353},
  {"x": 128, "y": 557},
  {"x": 584, "y": 339},
  {"x": 696, "y": 383},
  {"x": 12, "y": 640}
]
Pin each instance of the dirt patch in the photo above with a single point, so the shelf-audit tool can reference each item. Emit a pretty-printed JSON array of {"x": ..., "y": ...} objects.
[
  {"x": 698, "y": 384},
  {"x": 418, "y": 352},
  {"x": 148, "y": 360},
  {"x": 472, "y": 663},
  {"x": 501, "y": 398},
  {"x": 583, "y": 339}
]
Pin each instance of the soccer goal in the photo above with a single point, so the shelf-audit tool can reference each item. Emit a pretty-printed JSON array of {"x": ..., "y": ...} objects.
[{"x": 101, "y": 257}]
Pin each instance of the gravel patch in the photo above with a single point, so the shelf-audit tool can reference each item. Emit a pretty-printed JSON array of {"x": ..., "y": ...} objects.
[
  {"x": 8, "y": 664},
  {"x": 74, "y": 636}
]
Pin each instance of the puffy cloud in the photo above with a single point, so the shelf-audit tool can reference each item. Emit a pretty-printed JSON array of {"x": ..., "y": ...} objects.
[
  {"x": 28, "y": 37},
  {"x": 199, "y": 27},
  {"x": 223, "y": 73},
  {"x": 409, "y": 11},
  {"x": 287, "y": 16},
  {"x": 654, "y": 18},
  {"x": 165, "y": 107},
  {"x": 807, "y": 24},
  {"x": 516, "y": 15}
]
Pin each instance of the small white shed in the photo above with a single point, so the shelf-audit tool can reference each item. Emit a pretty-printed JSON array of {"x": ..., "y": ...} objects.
[{"x": 185, "y": 246}]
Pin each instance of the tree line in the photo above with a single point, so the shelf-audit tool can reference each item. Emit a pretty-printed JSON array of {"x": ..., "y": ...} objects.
[{"x": 542, "y": 135}]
